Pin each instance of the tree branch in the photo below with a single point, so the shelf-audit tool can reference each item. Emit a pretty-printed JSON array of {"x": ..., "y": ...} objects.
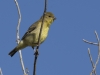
[
  {"x": 97, "y": 36},
  {"x": 18, "y": 39},
  {"x": 1, "y": 72},
  {"x": 98, "y": 53},
  {"x": 98, "y": 44},
  {"x": 91, "y": 60},
  {"x": 90, "y": 42},
  {"x": 37, "y": 48}
]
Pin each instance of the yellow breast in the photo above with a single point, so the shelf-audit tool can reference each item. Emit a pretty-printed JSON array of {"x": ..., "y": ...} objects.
[{"x": 44, "y": 33}]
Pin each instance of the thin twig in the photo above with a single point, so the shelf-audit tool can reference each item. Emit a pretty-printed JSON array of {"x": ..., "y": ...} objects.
[
  {"x": 90, "y": 42},
  {"x": 35, "y": 60},
  {"x": 91, "y": 60},
  {"x": 97, "y": 36},
  {"x": 98, "y": 44},
  {"x": 1, "y": 72},
  {"x": 96, "y": 62},
  {"x": 37, "y": 48},
  {"x": 98, "y": 53},
  {"x": 19, "y": 20}
]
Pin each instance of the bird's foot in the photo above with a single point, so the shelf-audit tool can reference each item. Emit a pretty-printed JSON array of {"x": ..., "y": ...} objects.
[{"x": 36, "y": 52}]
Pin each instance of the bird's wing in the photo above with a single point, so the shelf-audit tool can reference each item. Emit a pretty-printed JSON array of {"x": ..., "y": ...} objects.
[{"x": 31, "y": 28}]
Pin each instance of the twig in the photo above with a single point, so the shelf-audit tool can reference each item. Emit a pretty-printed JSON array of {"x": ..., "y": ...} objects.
[
  {"x": 98, "y": 44},
  {"x": 90, "y": 42},
  {"x": 35, "y": 60},
  {"x": 98, "y": 53},
  {"x": 96, "y": 63},
  {"x": 97, "y": 36},
  {"x": 19, "y": 20},
  {"x": 1, "y": 72},
  {"x": 37, "y": 48},
  {"x": 91, "y": 60}
]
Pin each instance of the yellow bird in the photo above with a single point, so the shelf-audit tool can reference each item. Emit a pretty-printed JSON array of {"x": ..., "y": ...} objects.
[{"x": 30, "y": 38}]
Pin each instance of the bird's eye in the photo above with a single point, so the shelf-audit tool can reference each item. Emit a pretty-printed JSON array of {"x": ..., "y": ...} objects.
[{"x": 49, "y": 16}]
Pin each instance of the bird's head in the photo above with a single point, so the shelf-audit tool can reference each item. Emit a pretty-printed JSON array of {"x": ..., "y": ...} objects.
[{"x": 49, "y": 17}]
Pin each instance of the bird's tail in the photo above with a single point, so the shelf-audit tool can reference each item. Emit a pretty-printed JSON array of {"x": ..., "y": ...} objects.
[
  {"x": 13, "y": 52},
  {"x": 21, "y": 45}
]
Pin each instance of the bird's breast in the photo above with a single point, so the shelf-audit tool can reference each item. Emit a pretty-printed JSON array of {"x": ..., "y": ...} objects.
[
  {"x": 32, "y": 39},
  {"x": 44, "y": 34}
]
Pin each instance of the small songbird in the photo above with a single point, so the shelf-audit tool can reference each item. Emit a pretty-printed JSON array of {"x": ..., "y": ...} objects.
[{"x": 30, "y": 38}]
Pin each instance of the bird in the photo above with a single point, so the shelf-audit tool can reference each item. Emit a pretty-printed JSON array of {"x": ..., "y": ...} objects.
[{"x": 30, "y": 38}]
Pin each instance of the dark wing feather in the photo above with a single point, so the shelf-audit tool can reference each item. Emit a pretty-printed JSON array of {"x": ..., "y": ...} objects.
[{"x": 31, "y": 28}]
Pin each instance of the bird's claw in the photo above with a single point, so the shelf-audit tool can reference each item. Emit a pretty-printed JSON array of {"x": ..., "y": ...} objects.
[{"x": 36, "y": 52}]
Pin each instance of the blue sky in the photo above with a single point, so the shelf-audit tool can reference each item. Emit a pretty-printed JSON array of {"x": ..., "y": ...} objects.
[{"x": 63, "y": 52}]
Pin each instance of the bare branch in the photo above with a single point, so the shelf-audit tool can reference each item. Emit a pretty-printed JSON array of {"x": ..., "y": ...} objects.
[
  {"x": 91, "y": 60},
  {"x": 96, "y": 60},
  {"x": 99, "y": 51},
  {"x": 95, "y": 64},
  {"x": 1, "y": 72},
  {"x": 37, "y": 48},
  {"x": 27, "y": 71},
  {"x": 97, "y": 36},
  {"x": 98, "y": 44},
  {"x": 19, "y": 20},
  {"x": 90, "y": 42},
  {"x": 35, "y": 60}
]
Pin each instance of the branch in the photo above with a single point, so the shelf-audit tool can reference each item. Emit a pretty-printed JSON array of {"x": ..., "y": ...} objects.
[
  {"x": 91, "y": 60},
  {"x": 98, "y": 53},
  {"x": 18, "y": 39},
  {"x": 1, "y": 72},
  {"x": 97, "y": 36},
  {"x": 37, "y": 48},
  {"x": 98, "y": 44},
  {"x": 90, "y": 42}
]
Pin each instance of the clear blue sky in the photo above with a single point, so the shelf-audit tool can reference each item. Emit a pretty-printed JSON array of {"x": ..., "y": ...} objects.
[{"x": 63, "y": 52}]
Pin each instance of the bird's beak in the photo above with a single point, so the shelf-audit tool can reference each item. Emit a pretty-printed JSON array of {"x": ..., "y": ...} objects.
[{"x": 54, "y": 18}]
